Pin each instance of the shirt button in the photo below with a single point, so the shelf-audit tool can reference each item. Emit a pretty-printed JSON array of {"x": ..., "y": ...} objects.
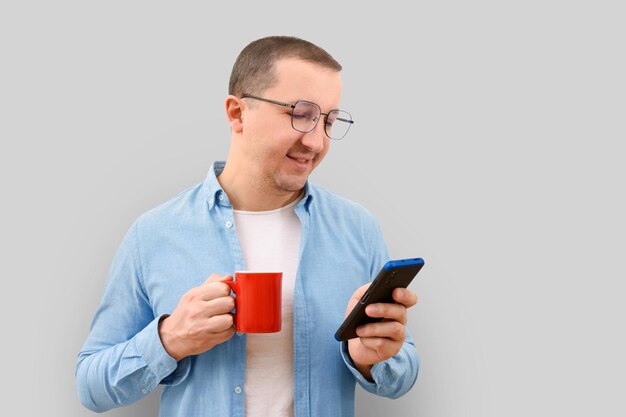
[
  {"x": 221, "y": 197},
  {"x": 211, "y": 202},
  {"x": 144, "y": 391},
  {"x": 238, "y": 390},
  {"x": 229, "y": 224}
]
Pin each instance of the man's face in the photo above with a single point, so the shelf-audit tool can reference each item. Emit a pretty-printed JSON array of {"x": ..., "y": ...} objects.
[{"x": 280, "y": 157}]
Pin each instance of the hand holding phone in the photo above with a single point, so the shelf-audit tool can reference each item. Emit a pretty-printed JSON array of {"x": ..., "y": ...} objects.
[{"x": 394, "y": 274}]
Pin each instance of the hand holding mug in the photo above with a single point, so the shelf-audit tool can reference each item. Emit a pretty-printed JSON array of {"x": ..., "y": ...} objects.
[{"x": 201, "y": 320}]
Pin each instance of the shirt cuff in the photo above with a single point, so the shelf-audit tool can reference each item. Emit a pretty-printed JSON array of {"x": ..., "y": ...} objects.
[
  {"x": 392, "y": 377},
  {"x": 164, "y": 368},
  {"x": 364, "y": 382}
]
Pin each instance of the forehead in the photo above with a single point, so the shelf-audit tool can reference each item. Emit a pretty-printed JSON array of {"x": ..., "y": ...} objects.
[{"x": 301, "y": 80}]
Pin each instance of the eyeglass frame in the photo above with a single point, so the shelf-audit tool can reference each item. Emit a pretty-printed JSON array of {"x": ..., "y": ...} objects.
[{"x": 293, "y": 106}]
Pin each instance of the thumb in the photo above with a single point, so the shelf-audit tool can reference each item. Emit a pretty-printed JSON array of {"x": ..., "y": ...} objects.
[
  {"x": 356, "y": 297},
  {"x": 358, "y": 294}
]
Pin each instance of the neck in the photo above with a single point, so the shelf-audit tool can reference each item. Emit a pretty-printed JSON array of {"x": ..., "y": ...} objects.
[{"x": 246, "y": 193}]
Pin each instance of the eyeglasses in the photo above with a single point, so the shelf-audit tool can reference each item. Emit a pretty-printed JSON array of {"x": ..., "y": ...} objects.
[{"x": 305, "y": 115}]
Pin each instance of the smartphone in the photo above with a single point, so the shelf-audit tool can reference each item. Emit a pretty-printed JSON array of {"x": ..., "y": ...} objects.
[{"x": 394, "y": 274}]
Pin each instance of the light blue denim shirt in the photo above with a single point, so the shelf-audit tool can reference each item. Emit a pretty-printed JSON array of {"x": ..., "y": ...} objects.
[{"x": 174, "y": 248}]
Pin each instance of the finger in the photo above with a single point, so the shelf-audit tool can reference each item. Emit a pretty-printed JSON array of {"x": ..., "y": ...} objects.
[
  {"x": 385, "y": 348},
  {"x": 383, "y": 329},
  {"x": 218, "y": 306},
  {"x": 213, "y": 287},
  {"x": 356, "y": 297},
  {"x": 211, "y": 290},
  {"x": 405, "y": 297},
  {"x": 390, "y": 311},
  {"x": 225, "y": 335},
  {"x": 220, "y": 323},
  {"x": 358, "y": 294}
]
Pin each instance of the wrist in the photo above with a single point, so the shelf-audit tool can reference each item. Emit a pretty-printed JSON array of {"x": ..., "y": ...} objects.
[
  {"x": 169, "y": 339},
  {"x": 365, "y": 370}
]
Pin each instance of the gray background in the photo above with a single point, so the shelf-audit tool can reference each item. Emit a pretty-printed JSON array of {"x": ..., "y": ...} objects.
[{"x": 489, "y": 141}]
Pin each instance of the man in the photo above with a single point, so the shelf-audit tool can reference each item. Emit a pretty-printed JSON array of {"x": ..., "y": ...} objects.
[{"x": 162, "y": 322}]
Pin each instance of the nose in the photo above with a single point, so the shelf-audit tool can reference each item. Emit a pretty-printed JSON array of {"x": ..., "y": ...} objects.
[{"x": 314, "y": 140}]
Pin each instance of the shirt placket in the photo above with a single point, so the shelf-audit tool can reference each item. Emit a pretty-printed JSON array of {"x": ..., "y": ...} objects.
[
  {"x": 300, "y": 337},
  {"x": 237, "y": 382}
]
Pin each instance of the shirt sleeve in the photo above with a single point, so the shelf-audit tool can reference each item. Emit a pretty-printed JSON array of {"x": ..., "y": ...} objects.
[
  {"x": 395, "y": 376},
  {"x": 123, "y": 359}
]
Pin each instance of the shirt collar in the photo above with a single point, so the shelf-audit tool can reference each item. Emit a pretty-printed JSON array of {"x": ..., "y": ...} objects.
[{"x": 215, "y": 193}]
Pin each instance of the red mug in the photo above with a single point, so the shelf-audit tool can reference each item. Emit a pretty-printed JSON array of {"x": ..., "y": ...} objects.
[{"x": 258, "y": 301}]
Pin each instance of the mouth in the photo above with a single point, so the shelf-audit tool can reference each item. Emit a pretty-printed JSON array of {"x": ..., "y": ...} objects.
[{"x": 300, "y": 161}]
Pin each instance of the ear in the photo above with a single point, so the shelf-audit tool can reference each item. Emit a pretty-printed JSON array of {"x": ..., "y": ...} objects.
[{"x": 234, "y": 113}]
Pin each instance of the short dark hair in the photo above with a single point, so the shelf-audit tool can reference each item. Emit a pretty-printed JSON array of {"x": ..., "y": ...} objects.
[{"x": 253, "y": 71}]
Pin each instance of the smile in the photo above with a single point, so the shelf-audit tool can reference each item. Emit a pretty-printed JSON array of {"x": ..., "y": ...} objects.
[
  {"x": 301, "y": 163},
  {"x": 299, "y": 160}
]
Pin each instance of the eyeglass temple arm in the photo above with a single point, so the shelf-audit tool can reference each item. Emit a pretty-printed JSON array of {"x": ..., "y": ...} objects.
[
  {"x": 280, "y": 103},
  {"x": 339, "y": 118}
]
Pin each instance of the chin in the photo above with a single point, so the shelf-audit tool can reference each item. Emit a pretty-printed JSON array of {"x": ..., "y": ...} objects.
[{"x": 291, "y": 184}]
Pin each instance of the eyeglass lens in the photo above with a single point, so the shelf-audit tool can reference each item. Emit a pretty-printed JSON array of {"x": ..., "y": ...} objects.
[{"x": 305, "y": 116}]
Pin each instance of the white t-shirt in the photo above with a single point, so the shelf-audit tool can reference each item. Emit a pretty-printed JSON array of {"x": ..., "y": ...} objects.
[{"x": 270, "y": 241}]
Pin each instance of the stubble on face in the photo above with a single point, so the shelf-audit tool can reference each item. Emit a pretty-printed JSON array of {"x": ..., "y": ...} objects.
[{"x": 277, "y": 179}]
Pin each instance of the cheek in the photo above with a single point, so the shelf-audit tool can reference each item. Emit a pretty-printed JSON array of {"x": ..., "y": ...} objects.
[
  {"x": 286, "y": 140},
  {"x": 276, "y": 130}
]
